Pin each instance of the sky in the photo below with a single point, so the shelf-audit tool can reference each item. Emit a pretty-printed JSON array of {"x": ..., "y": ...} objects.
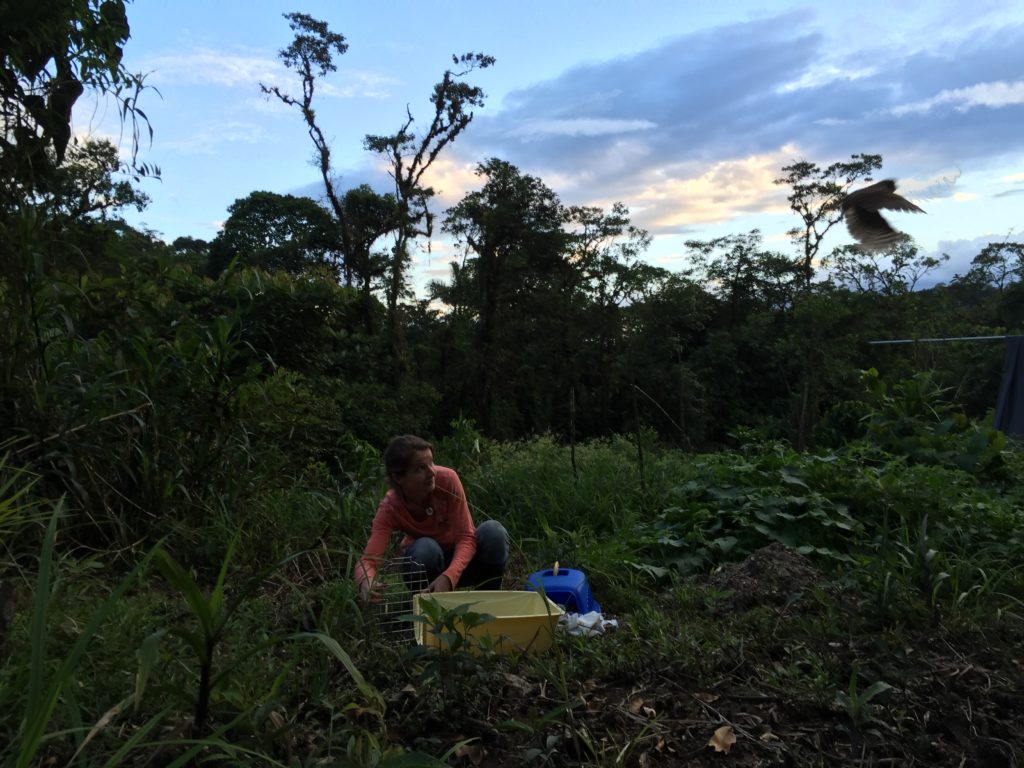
[{"x": 685, "y": 111}]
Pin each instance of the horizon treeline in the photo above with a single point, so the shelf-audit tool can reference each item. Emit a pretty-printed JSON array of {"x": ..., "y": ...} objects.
[{"x": 139, "y": 375}]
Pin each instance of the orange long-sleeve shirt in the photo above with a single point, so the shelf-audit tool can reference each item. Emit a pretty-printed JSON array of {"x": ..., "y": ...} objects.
[{"x": 451, "y": 526}]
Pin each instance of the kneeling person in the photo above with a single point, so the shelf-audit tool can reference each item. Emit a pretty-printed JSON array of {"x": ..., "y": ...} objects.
[{"x": 428, "y": 504}]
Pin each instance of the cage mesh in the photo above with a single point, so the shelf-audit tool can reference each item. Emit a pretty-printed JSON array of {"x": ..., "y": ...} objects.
[{"x": 399, "y": 578}]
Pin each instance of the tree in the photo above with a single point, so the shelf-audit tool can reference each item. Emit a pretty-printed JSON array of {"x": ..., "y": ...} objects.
[
  {"x": 311, "y": 55},
  {"x": 409, "y": 156},
  {"x": 890, "y": 273},
  {"x": 605, "y": 252},
  {"x": 86, "y": 184},
  {"x": 274, "y": 232},
  {"x": 743, "y": 275},
  {"x": 511, "y": 232},
  {"x": 816, "y": 196},
  {"x": 998, "y": 265},
  {"x": 193, "y": 250},
  {"x": 53, "y": 50},
  {"x": 368, "y": 216},
  {"x": 993, "y": 287}
]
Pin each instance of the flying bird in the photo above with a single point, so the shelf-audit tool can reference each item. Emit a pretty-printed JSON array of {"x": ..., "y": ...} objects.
[{"x": 860, "y": 209}]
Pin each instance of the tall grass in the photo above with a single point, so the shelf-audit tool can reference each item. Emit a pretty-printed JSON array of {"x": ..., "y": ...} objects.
[{"x": 45, "y": 685}]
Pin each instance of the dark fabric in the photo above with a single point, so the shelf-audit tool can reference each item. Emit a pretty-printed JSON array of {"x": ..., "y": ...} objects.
[
  {"x": 428, "y": 560},
  {"x": 1010, "y": 406}
]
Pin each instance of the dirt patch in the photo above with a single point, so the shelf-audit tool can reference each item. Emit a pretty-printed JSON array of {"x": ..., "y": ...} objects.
[
  {"x": 770, "y": 680},
  {"x": 773, "y": 575}
]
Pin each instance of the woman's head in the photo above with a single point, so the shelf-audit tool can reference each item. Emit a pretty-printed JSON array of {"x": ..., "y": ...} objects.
[{"x": 402, "y": 452}]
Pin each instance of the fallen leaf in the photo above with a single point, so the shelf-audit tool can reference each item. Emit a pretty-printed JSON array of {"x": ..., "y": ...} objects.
[
  {"x": 769, "y": 736},
  {"x": 518, "y": 684},
  {"x": 473, "y": 752},
  {"x": 723, "y": 739},
  {"x": 707, "y": 698},
  {"x": 354, "y": 711}
]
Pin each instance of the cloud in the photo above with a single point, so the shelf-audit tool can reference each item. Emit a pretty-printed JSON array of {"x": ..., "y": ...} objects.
[
  {"x": 697, "y": 96},
  {"x": 674, "y": 199},
  {"x": 936, "y": 188},
  {"x": 961, "y": 253},
  {"x": 451, "y": 179},
  {"x": 367, "y": 85},
  {"x": 205, "y": 140},
  {"x": 665, "y": 123},
  {"x": 993, "y": 95},
  {"x": 818, "y": 77},
  {"x": 578, "y": 126},
  {"x": 204, "y": 66},
  {"x": 1009, "y": 192},
  {"x": 209, "y": 67},
  {"x": 691, "y": 133}
]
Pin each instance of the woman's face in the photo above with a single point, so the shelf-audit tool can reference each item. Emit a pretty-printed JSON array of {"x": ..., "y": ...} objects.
[{"x": 417, "y": 483}]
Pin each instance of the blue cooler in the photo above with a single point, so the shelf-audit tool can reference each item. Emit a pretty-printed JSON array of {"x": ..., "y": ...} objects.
[{"x": 569, "y": 589}]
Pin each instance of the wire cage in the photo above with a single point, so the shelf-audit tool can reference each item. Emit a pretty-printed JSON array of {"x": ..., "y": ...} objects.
[{"x": 397, "y": 580}]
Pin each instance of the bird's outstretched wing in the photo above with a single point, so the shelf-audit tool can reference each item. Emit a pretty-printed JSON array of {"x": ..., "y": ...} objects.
[{"x": 861, "y": 211}]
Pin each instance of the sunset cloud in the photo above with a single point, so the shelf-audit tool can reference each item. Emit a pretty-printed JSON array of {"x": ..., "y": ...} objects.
[{"x": 675, "y": 201}]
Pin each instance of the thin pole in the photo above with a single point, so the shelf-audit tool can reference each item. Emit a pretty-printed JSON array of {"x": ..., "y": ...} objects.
[
  {"x": 572, "y": 432},
  {"x": 639, "y": 443},
  {"x": 950, "y": 338}
]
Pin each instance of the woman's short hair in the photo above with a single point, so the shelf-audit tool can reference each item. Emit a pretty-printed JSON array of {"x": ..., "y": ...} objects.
[{"x": 399, "y": 453}]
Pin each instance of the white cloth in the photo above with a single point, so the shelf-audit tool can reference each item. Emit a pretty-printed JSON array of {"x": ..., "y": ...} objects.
[{"x": 586, "y": 624}]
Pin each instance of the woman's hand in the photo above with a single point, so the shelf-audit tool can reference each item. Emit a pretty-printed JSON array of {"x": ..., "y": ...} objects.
[
  {"x": 441, "y": 584},
  {"x": 371, "y": 591}
]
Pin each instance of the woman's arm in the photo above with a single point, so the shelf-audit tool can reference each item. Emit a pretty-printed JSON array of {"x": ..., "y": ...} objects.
[
  {"x": 380, "y": 536},
  {"x": 463, "y": 529}
]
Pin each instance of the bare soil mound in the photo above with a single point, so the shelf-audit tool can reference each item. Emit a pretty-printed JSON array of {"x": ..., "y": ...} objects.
[{"x": 773, "y": 575}]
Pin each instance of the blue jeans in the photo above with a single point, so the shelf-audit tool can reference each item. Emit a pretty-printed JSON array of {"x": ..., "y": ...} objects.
[{"x": 484, "y": 570}]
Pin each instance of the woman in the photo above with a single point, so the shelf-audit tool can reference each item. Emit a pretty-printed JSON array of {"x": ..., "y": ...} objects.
[{"x": 427, "y": 503}]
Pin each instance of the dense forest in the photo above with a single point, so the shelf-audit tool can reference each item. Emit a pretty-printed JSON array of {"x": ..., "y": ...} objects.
[{"x": 190, "y": 438}]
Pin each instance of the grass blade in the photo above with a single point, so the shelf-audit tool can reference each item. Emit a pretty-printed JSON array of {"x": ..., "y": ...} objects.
[
  {"x": 332, "y": 645},
  {"x": 43, "y": 702}
]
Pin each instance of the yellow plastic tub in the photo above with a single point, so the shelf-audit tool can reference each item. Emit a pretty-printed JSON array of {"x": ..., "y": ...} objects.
[{"x": 524, "y": 622}]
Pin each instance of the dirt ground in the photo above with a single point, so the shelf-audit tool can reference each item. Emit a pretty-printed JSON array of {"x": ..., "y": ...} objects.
[{"x": 956, "y": 697}]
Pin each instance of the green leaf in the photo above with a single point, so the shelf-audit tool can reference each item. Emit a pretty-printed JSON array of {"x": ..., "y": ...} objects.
[
  {"x": 148, "y": 655},
  {"x": 139, "y": 734},
  {"x": 43, "y": 702},
  {"x": 873, "y": 690},
  {"x": 332, "y": 645},
  {"x": 725, "y": 543},
  {"x": 218, "y": 591},
  {"x": 182, "y": 580},
  {"x": 37, "y": 631},
  {"x": 194, "y": 641}
]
